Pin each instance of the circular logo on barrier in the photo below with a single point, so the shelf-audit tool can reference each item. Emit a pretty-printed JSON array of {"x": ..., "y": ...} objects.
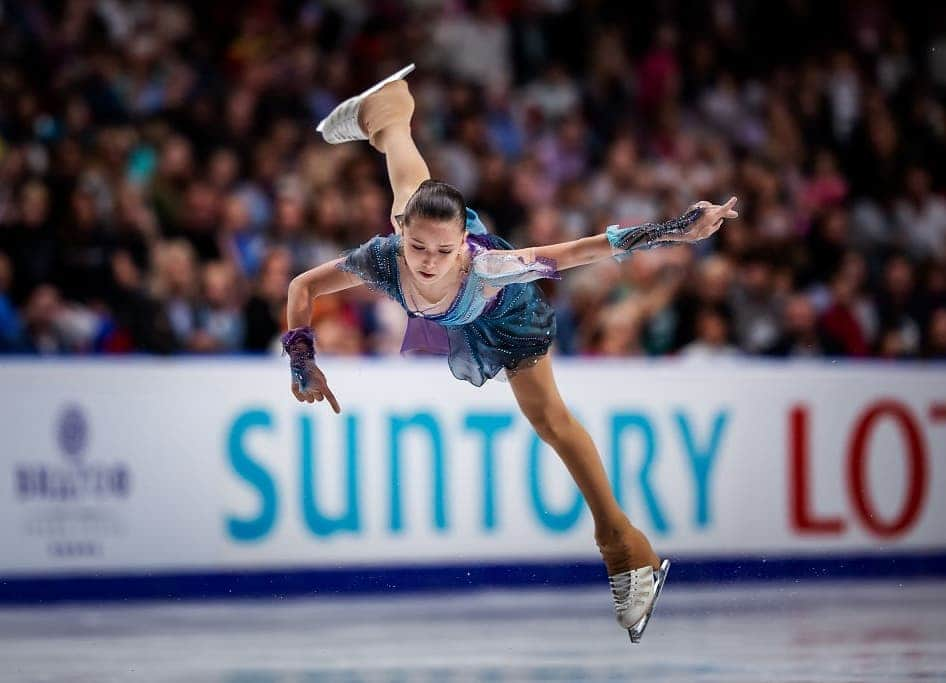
[{"x": 73, "y": 432}]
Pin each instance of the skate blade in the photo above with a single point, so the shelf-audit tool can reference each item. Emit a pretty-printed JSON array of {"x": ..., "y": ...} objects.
[
  {"x": 373, "y": 89},
  {"x": 636, "y": 631}
]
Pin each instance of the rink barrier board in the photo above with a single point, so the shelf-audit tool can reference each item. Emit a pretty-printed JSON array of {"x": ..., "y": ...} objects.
[
  {"x": 834, "y": 468},
  {"x": 275, "y": 583}
]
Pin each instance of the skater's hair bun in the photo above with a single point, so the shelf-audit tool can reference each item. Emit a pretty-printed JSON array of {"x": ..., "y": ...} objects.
[{"x": 437, "y": 201}]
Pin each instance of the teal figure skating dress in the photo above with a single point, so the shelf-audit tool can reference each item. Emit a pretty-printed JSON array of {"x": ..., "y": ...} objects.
[{"x": 483, "y": 336}]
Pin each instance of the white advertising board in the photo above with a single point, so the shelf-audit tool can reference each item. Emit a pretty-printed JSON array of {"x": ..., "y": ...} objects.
[{"x": 154, "y": 465}]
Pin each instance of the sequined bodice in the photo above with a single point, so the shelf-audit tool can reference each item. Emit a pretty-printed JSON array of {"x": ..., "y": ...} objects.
[
  {"x": 496, "y": 320},
  {"x": 473, "y": 293}
]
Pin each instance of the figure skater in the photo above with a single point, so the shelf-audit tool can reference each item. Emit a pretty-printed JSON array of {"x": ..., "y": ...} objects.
[{"x": 471, "y": 296}]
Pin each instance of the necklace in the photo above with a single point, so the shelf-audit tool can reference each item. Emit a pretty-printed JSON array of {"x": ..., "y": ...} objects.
[{"x": 417, "y": 310}]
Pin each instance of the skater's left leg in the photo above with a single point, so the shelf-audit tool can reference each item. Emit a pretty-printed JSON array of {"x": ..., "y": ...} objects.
[
  {"x": 386, "y": 117},
  {"x": 622, "y": 545},
  {"x": 382, "y": 115}
]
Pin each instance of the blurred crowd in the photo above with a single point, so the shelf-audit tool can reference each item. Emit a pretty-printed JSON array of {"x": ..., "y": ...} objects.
[{"x": 161, "y": 180}]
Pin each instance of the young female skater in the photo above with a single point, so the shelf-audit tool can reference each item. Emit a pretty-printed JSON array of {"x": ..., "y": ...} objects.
[{"x": 470, "y": 295}]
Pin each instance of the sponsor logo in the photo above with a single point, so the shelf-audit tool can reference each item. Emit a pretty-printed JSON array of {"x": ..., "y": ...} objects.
[
  {"x": 72, "y": 433},
  {"x": 66, "y": 497},
  {"x": 78, "y": 480}
]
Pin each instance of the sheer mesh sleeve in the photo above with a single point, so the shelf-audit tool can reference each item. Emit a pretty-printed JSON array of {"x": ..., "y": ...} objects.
[
  {"x": 650, "y": 235},
  {"x": 501, "y": 268},
  {"x": 375, "y": 263}
]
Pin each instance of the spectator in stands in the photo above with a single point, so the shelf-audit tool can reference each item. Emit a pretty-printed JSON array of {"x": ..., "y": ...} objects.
[{"x": 140, "y": 142}]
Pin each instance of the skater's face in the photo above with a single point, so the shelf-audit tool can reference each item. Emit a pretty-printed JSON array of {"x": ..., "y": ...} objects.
[{"x": 432, "y": 248}]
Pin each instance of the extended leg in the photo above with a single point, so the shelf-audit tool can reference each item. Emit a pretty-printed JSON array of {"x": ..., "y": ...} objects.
[
  {"x": 622, "y": 545},
  {"x": 635, "y": 573}
]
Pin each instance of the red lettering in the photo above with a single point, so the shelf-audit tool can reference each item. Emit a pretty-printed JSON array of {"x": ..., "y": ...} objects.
[
  {"x": 916, "y": 460},
  {"x": 803, "y": 519}
]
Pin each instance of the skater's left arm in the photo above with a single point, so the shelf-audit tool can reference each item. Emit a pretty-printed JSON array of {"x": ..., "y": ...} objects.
[{"x": 699, "y": 222}]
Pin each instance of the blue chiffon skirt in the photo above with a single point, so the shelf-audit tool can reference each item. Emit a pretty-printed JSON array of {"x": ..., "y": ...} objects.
[{"x": 514, "y": 331}]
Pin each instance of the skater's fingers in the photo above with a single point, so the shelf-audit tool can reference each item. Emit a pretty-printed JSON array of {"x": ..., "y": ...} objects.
[
  {"x": 298, "y": 394},
  {"x": 722, "y": 209},
  {"x": 332, "y": 401}
]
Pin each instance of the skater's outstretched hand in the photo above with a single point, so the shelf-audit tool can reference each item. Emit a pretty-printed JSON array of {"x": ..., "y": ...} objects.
[
  {"x": 709, "y": 221},
  {"x": 315, "y": 387}
]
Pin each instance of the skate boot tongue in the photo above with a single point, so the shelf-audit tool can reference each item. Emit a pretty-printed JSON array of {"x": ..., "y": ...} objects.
[{"x": 632, "y": 592}]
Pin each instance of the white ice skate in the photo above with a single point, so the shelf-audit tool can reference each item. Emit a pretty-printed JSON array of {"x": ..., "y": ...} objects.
[
  {"x": 635, "y": 594},
  {"x": 342, "y": 124}
]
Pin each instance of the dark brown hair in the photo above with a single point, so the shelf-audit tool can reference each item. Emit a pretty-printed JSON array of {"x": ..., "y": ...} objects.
[{"x": 437, "y": 201}]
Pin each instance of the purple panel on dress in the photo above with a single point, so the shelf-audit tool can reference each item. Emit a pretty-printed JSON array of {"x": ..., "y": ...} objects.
[
  {"x": 478, "y": 242},
  {"x": 425, "y": 336}
]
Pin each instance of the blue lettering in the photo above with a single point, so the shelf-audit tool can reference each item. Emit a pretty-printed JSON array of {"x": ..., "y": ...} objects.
[
  {"x": 254, "y": 474},
  {"x": 319, "y": 523},
  {"x": 619, "y": 424},
  {"x": 425, "y": 422},
  {"x": 701, "y": 461},
  {"x": 558, "y": 522},
  {"x": 489, "y": 426}
]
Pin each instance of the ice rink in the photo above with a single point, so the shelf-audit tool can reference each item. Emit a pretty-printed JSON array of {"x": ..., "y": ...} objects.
[{"x": 824, "y": 631}]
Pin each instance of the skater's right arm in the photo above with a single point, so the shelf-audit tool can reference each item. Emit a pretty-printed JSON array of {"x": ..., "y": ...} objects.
[
  {"x": 308, "y": 381},
  {"x": 324, "y": 279}
]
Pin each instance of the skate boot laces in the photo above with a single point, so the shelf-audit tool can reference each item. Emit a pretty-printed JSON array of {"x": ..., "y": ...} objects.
[
  {"x": 342, "y": 124},
  {"x": 632, "y": 592}
]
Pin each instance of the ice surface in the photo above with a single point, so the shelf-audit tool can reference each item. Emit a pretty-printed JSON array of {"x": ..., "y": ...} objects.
[{"x": 771, "y": 632}]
